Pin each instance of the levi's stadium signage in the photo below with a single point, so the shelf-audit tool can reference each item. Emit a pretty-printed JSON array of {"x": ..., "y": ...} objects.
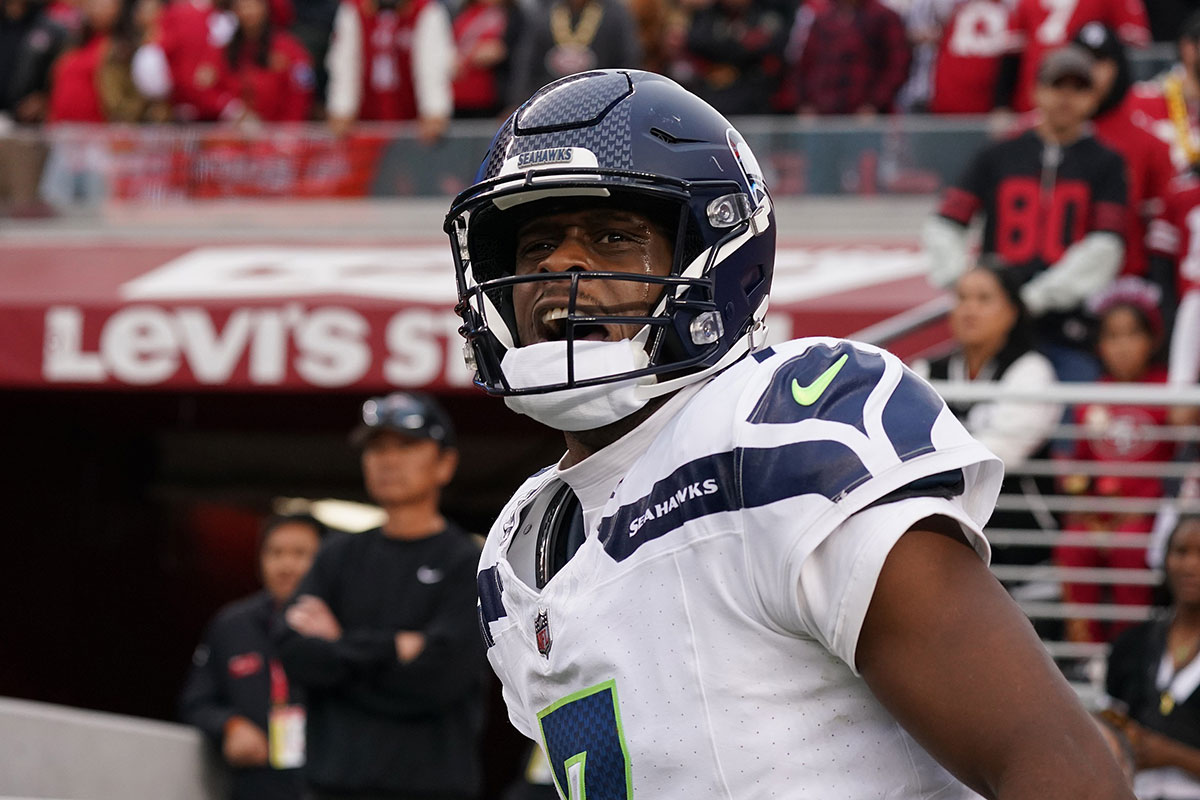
[{"x": 325, "y": 317}]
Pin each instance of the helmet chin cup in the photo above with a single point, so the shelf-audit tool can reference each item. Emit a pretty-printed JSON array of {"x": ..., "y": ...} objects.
[{"x": 627, "y": 140}]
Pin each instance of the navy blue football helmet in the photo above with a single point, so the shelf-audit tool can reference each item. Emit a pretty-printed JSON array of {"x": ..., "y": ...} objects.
[{"x": 631, "y": 140}]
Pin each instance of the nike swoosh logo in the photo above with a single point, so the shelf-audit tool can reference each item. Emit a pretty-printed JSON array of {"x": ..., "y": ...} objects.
[
  {"x": 807, "y": 395},
  {"x": 428, "y": 575}
]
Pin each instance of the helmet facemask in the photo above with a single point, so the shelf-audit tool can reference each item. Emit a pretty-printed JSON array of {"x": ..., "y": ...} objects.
[{"x": 683, "y": 333}]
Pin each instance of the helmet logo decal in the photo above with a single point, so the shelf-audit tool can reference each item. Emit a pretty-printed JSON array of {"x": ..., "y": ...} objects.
[
  {"x": 553, "y": 155},
  {"x": 745, "y": 159},
  {"x": 547, "y": 157}
]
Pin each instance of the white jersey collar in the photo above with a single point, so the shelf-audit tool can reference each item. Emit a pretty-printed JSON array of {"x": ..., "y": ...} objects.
[{"x": 596, "y": 477}]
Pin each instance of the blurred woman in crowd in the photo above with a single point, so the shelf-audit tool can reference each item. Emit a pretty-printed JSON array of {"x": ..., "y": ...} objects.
[
  {"x": 483, "y": 36},
  {"x": 994, "y": 341},
  {"x": 1154, "y": 672},
  {"x": 1129, "y": 345},
  {"x": 274, "y": 71},
  {"x": 75, "y": 92},
  {"x": 93, "y": 81},
  {"x": 991, "y": 329}
]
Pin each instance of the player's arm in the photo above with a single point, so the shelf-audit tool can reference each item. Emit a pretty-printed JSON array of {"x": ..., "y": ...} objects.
[
  {"x": 204, "y": 701},
  {"x": 447, "y": 667},
  {"x": 944, "y": 235},
  {"x": 953, "y": 658}
]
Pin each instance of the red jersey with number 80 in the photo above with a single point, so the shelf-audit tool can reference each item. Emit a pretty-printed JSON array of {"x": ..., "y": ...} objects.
[{"x": 1036, "y": 201}]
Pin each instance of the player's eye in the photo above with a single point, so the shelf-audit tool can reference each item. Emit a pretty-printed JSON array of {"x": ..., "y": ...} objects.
[{"x": 618, "y": 237}]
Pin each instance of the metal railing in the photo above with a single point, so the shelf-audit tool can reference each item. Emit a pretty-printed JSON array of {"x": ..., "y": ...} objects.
[{"x": 1037, "y": 582}]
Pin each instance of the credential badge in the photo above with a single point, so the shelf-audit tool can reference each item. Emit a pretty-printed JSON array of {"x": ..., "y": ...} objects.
[{"x": 541, "y": 629}]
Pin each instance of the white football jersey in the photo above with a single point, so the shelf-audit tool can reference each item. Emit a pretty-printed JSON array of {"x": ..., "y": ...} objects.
[{"x": 700, "y": 643}]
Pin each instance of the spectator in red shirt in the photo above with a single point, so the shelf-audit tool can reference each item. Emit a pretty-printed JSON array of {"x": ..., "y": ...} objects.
[
  {"x": 185, "y": 62},
  {"x": 968, "y": 59},
  {"x": 1168, "y": 105},
  {"x": 1038, "y": 27},
  {"x": 1148, "y": 167},
  {"x": 74, "y": 92},
  {"x": 481, "y": 37},
  {"x": 391, "y": 60},
  {"x": 272, "y": 68},
  {"x": 1130, "y": 339},
  {"x": 1174, "y": 242},
  {"x": 855, "y": 59}
]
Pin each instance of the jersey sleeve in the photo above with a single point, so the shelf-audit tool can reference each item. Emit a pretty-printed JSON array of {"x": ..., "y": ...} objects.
[
  {"x": 837, "y": 581},
  {"x": 827, "y": 429},
  {"x": 963, "y": 199},
  {"x": 1111, "y": 195}
]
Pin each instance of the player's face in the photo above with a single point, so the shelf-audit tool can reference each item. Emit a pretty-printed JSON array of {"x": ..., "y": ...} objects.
[
  {"x": 1125, "y": 346},
  {"x": 251, "y": 14},
  {"x": 286, "y": 556},
  {"x": 592, "y": 239},
  {"x": 1104, "y": 75},
  {"x": 982, "y": 315},
  {"x": 399, "y": 470},
  {"x": 1183, "y": 565},
  {"x": 1189, "y": 56},
  {"x": 1066, "y": 104}
]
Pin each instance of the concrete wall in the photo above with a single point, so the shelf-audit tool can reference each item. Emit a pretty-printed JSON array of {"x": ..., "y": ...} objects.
[{"x": 49, "y": 751}]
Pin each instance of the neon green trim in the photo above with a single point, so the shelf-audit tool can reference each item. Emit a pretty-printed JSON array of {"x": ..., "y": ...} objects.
[
  {"x": 807, "y": 395},
  {"x": 581, "y": 760}
]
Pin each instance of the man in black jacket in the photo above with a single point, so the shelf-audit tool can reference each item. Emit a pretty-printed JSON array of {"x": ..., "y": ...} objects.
[
  {"x": 237, "y": 692},
  {"x": 384, "y": 633}
]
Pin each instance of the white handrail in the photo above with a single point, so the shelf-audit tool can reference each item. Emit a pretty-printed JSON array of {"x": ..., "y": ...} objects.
[{"x": 1149, "y": 394}]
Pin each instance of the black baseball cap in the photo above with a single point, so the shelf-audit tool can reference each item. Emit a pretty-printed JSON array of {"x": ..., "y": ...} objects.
[
  {"x": 1071, "y": 61},
  {"x": 1100, "y": 40},
  {"x": 412, "y": 414}
]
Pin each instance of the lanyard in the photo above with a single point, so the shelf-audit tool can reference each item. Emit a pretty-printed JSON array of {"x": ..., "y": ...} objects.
[{"x": 279, "y": 684}]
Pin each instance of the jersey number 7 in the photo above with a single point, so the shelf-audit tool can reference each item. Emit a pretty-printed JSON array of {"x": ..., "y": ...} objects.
[{"x": 585, "y": 745}]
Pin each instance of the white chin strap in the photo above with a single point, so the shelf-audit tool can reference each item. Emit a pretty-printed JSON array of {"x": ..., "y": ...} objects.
[
  {"x": 586, "y": 408},
  {"x": 583, "y": 408}
]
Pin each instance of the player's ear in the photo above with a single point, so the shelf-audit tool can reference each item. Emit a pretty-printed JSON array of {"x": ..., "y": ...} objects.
[{"x": 446, "y": 466}]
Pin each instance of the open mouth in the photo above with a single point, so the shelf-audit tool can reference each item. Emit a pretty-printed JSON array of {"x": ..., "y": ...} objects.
[{"x": 552, "y": 327}]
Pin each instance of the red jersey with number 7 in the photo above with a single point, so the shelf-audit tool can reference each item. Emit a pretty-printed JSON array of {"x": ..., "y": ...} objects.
[
  {"x": 1039, "y": 26},
  {"x": 1039, "y": 199},
  {"x": 1176, "y": 232}
]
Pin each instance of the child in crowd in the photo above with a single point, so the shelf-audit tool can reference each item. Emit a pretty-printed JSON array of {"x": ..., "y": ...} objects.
[{"x": 1129, "y": 345}]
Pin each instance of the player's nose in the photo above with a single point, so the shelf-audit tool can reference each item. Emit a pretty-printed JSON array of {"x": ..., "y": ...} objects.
[{"x": 571, "y": 253}]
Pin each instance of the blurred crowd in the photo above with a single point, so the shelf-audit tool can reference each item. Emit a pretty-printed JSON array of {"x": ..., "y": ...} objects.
[{"x": 431, "y": 60}]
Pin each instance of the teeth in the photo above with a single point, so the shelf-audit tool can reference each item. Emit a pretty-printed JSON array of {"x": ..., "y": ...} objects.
[{"x": 554, "y": 314}]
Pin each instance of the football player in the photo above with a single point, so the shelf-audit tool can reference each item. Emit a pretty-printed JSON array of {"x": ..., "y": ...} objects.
[{"x": 757, "y": 571}]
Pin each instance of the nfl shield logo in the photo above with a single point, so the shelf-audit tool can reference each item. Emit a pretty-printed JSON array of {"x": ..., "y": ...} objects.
[{"x": 541, "y": 627}]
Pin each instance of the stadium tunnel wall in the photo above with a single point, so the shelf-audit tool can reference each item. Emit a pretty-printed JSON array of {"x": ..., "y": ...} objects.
[{"x": 56, "y": 752}]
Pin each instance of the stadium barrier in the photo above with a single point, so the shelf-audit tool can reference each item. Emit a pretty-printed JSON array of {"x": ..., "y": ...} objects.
[
  {"x": 53, "y": 752},
  {"x": 88, "y": 165}
]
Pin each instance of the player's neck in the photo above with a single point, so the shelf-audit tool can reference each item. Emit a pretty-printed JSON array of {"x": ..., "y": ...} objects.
[
  {"x": 413, "y": 520},
  {"x": 581, "y": 444},
  {"x": 1186, "y": 618},
  {"x": 1191, "y": 85},
  {"x": 977, "y": 356},
  {"x": 1061, "y": 136}
]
